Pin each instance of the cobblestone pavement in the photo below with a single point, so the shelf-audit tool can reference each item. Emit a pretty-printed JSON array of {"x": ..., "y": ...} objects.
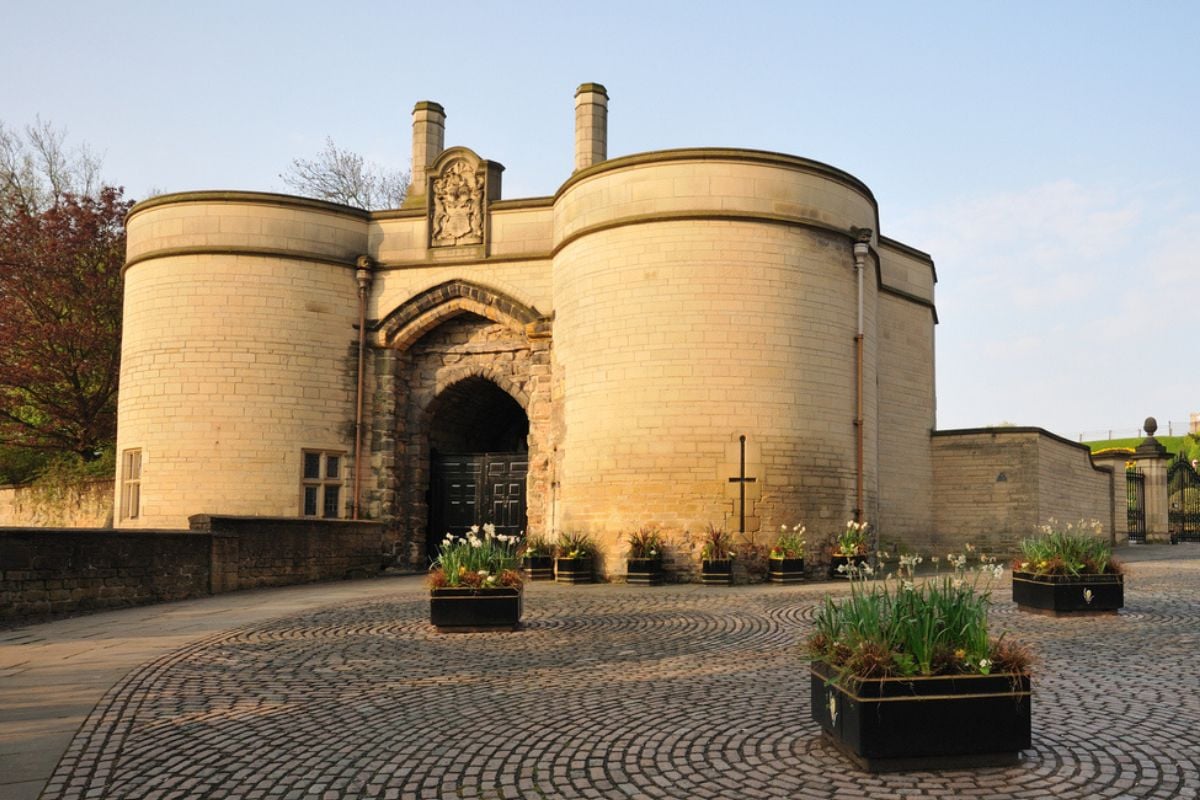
[{"x": 620, "y": 692}]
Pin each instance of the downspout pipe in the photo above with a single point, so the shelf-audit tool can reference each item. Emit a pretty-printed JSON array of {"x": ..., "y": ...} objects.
[
  {"x": 862, "y": 248},
  {"x": 362, "y": 274}
]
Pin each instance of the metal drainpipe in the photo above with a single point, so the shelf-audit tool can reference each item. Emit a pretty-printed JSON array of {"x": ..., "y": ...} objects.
[
  {"x": 362, "y": 274},
  {"x": 861, "y": 248}
]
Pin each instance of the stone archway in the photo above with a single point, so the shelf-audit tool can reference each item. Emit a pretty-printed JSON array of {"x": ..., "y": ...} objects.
[
  {"x": 460, "y": 371},
  {"x": 478, "y": 460}
]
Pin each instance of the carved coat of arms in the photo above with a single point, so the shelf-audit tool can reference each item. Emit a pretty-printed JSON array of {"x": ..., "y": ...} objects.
[{"x": 458, "y": 205}]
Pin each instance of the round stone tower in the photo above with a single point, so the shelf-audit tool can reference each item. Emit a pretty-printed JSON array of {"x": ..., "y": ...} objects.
[
  {"x": 234, "y": 354},
  {"x": 702, "y": 296}
]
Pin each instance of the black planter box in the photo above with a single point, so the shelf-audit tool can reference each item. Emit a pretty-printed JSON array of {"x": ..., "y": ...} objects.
[
  {"x": 573, "y": 570},
  {"x": 948, "y": 722},
  {"x": 836, "y": 561},
  {"x": 539, "y": 568},
  {"x": 467, "y": 610},
  {"x": 1068, "y": 595},
  {"x": 644, "y": 571},
  {"x": 718, "y": 572},
  {"x": 785, "y": 570}
]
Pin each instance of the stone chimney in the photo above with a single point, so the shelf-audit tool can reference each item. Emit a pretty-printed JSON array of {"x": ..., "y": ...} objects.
[
  {"x": 591, "y": 125},
  {"x": 429, "y": 140}
]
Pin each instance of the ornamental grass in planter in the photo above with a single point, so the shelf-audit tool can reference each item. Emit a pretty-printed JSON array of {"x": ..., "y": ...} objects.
[
  {"x": 785, "y": 562},
  {"x": 716, "y": 557},
  {"x": 474, "y": 583},
  {"x": 575, "y": 558},
  {"x": 537, "y": 559},
  {"x": 644, "y": 563},
  {"x": 906, "y": 675},
  {"x": 849, "y": 550},
  {"x": 1068, "y": 571}
]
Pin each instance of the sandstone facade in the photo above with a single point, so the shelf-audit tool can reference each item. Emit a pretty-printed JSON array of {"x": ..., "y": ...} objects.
[{"x": 626, "y": 333}]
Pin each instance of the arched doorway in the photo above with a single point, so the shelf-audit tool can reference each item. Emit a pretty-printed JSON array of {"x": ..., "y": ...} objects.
[{"x": 479, "y": 460}]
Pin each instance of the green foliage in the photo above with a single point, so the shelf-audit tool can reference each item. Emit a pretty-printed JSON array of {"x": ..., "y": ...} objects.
[
  {"x": 22, "y": 464},
  {"x": 1073, "y": 549},
  {"x": 1190, "y": 447},
  {"x": 1173, "y": 444},
  {"x": 575, "y": 545},
  {"x": 718, "y": 544},
  {"x": 480, "y": 559},
  {"x": 903, "y": 628},
  {"x": 790, "y": 543},
  {"x": 853, "y": 540},
  {"x": 536, "y": 545},
  {"x": 645, "y": 542}
]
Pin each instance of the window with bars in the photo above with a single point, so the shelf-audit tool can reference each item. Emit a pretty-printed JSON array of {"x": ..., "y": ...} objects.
[
  {"x": 131, "y": 484},
  {"x": 321, "y": 484}
]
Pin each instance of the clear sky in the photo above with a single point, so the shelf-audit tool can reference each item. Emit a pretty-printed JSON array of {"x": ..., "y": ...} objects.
[{"x": 1045, "y": 153}]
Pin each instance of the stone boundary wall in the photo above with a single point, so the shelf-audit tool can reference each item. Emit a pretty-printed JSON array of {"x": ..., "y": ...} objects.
[
  {"x": 90, "y": 505},
  {"x": 994, "y": 486},
  {"x": 53, "y": 571}
]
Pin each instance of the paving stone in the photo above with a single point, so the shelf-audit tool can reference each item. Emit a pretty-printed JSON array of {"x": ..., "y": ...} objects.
[{"x": 619, "y": 692}]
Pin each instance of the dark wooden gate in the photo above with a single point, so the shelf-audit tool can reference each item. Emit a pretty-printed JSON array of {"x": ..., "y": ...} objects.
[
  {"x": 1135, "y": 504},
  {"x": 474, "y": 488},
  {"x": 1183, "y": 500}
]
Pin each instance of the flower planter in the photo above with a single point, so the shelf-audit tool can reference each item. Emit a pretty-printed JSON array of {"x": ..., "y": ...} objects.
[
  {"x": 573, "y": 570},
  {"x": 644, "y": 571},
  {"x": 463, "y": 610},
  {"x": 785, "y": 570},
  {"x": 946, "y": 722},
  {"x": 717, "y": 572},
  {"x": 836, "y": 560},
  {"x": 1068, "y": 595},
  {"x": 539, "y": 568}
]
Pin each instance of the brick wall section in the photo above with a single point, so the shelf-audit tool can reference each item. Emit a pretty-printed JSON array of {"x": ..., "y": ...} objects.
[
  {"x": 49, "y": 571},
  {"x": 1044, "y": 477},
  {"x": 90, "y": 505}
]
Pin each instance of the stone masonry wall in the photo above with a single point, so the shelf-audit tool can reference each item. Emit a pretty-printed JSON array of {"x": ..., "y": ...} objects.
[
  {"x": 51, "y": 571},
  {"x": 55, "y": 570},
  {"x": 993, "y": 487},
  {"x": 283, "y": 551},
  {"x": 90, "y": 505}
]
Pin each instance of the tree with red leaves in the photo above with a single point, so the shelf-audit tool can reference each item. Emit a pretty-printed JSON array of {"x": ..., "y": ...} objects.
[{"x": 60, "y": 321}]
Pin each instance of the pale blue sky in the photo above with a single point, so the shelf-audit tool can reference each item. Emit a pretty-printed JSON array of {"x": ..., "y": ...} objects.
[{"x": 1043, "y": 152}]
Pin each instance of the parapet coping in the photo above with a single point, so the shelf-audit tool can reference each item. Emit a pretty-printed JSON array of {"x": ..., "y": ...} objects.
[
  {"x": 1026, "y": 429},
  {"x": 260, "y": 198},
  {"x": 722, "y": 154}
]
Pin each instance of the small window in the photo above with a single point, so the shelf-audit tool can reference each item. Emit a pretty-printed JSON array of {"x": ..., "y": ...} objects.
[
  {"x": 131, "y": 484},
  {"x": 321, "y": 484}
]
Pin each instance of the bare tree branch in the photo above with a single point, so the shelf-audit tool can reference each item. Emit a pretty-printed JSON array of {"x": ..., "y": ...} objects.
[{"x": 342, "y": 176}]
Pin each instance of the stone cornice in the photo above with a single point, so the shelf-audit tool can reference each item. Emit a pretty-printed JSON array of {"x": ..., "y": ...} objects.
[
  {"x": 722, "y": 154},
  {"x": 260, "y": 198},
  {"x": 255, "y": 252}
]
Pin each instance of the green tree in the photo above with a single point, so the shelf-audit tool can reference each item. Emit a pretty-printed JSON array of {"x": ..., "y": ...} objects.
[{"x": 62, "y": 246}]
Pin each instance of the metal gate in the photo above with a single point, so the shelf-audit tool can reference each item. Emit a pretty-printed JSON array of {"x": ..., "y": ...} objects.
[
  {"x": 473, "y": 488},
  {"x": 1135, "y": 504},
  {"x": 1183, "y": 500}
]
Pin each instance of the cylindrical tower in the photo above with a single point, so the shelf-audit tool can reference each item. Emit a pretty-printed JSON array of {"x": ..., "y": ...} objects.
[
  {"x": 701, "y": 296},
  {"x": 237, "y": 357}
]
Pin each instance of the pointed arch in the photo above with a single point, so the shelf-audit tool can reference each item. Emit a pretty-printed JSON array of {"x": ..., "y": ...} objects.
[{"x": 423, "y": 312}]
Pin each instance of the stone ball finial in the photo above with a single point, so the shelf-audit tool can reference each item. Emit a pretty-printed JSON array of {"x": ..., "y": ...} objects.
[{"x": 1150, "y": 426}]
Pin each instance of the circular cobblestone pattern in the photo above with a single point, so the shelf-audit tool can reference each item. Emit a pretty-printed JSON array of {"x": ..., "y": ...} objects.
[{"x": 621, "y": 692}]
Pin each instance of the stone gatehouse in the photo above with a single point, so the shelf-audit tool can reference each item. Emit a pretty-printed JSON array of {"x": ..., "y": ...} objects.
[{"x": 683, "y": 337}]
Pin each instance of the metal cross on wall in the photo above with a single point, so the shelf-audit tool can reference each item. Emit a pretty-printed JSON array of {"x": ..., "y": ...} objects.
[{"x": 741, "y": 480}]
